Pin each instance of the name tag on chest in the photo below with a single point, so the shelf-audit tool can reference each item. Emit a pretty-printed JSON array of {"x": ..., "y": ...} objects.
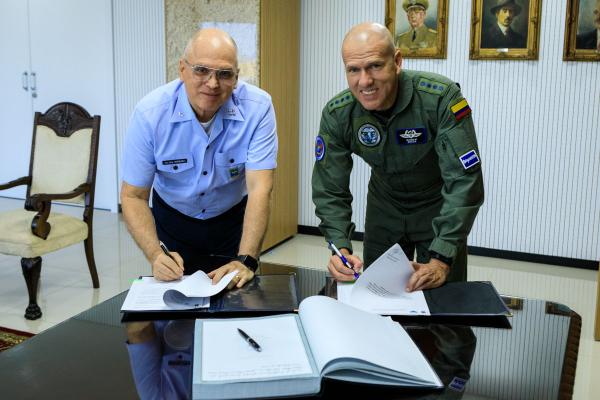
[
  {"x": 176, "y": 161},
  {"x": 409, "y": 136}
]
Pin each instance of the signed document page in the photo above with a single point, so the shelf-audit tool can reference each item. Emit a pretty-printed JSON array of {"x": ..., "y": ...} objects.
[{"x": 381, "y": 288}]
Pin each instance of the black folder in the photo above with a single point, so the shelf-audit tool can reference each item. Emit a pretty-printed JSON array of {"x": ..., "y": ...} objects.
[
  {"x": 264, "y": 295},
  {"x": 458, "y": 303}
]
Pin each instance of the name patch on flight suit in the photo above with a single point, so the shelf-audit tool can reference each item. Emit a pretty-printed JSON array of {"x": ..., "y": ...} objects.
[
  {"x": 408, "y": 136},
  {"x": 469, "y": 159},
  {"x": 369, "y": 135}
]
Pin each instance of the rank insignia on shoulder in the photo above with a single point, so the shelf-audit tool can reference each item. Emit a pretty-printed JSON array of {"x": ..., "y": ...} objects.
[
  {"x": 340, "y": 100},
  {"x": 319, "y": 148},
  {"x": 368, "y": 135},
  {"x": 469, "y": 159},
  {"x": 460, "y": 109},
  {"x": 431, "y": 86}
]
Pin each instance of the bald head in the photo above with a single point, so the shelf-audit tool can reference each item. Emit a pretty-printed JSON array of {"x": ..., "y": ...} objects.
[
  {"x": 368, "y": 35},
  {"x": 210, "y": 40}
]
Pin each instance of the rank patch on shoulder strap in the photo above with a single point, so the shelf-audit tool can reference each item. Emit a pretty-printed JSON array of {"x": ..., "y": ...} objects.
[
  {"x": 431, "y": 86},
  {"x": 460, "y": 109},
  {"x": 340, "y": 100},
  {"x": 319, "y": 148},
  {"x": 469, "y": 159}
]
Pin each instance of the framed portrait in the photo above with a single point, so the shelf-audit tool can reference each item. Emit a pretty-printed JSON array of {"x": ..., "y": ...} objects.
[
  {"x": 505, "y": 29},
  {"x": 418, "y": 27},
  {"x": 582, "y": 31}
]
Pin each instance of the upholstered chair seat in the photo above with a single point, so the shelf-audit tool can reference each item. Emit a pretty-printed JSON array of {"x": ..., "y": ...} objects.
[
  {"x": 16, "y": 238},
  {"x": 62, "y": 167}
]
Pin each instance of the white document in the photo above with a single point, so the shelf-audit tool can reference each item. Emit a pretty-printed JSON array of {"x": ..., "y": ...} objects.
[
  {"x": 193, "y": 291},
  {"x": 282, "y": 349},
  {"x": 381, "y": 289}
]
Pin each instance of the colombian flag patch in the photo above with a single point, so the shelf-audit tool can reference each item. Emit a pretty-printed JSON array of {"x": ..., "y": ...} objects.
[{"x": 460, "y": 109}]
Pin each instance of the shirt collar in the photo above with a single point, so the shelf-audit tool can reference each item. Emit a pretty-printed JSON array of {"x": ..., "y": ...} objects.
[
  {"x": 404, "y": 94},
  {"x": 183, "y": 110},
  {"x": 503, "y": 29}
]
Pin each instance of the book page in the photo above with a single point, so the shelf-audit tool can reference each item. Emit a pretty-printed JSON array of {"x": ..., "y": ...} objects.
[
  {"x": 338, "y": 331},
  {"x": 381, "y": 288},
  {"x": 226, "y": 355}
]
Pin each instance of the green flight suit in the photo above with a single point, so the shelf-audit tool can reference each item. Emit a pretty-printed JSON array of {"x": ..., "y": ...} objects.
[{"x": 426, "y": 183}]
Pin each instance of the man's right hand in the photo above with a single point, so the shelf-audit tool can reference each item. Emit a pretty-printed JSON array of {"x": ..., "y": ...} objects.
[
  {"x": 339, "y": 271},
  {"x": 164, "y": 268}
]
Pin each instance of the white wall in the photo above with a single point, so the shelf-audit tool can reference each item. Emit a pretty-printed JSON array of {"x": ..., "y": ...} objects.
[{"x": 537, "y": 125}]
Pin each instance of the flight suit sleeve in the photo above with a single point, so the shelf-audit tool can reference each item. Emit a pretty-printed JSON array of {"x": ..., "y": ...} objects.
[
  {"x": 460, "y": 166},
  {"x": 331, "y": 182}
]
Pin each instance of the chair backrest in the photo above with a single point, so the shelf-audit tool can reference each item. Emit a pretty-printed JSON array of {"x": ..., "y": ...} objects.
[{"x": 64, "y": 152}]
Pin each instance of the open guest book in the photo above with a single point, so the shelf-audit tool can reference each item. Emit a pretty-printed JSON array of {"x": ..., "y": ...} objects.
[
  {"x": 326, "y": 339},
  {"x": 195, "y": 296}
]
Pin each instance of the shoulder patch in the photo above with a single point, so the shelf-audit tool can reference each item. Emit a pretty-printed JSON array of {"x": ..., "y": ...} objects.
[
  {"x": 460, "y": 108},
  {"x": 340, "y": 100},
  {"x": 431, "y": 86}
]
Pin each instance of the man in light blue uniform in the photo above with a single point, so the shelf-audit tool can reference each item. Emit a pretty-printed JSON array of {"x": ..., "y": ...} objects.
[{"x": 207, "y": 143}]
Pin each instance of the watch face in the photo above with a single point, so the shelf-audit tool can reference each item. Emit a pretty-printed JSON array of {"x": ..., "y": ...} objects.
[{"x": 248, "y": 261}]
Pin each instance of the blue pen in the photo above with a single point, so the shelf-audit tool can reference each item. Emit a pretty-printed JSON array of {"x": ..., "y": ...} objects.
[{"x": 344, "y": 259}]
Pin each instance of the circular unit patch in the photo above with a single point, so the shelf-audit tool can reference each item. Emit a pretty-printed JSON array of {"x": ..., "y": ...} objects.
[
  {"x": 369, "y": 135},
  {"x": 319, "y": 148}
]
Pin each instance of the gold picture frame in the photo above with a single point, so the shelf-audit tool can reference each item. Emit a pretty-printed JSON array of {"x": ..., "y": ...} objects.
[
  {"x": 581, "y": 31},
  {"x": 423, "y": 41},
  {"x": 497, "y": 33}
]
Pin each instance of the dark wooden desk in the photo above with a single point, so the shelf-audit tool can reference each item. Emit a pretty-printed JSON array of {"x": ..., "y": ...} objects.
[{"x": 85, "y": 357}]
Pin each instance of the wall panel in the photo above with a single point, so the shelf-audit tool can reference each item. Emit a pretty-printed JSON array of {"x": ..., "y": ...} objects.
[{"x": 537, "y": 124}]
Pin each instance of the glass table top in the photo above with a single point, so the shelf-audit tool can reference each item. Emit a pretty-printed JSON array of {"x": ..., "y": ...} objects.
[{"x": 87, "y": 356}]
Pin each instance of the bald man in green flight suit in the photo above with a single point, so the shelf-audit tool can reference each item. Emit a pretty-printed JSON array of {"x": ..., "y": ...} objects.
[{"x": 415, "y": 131}]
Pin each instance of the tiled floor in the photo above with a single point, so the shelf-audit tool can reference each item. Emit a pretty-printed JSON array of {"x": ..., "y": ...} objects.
[{"x": 66, "y": 288}]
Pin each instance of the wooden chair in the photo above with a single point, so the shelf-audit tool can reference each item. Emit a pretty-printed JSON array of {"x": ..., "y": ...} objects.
[{"x": 64, "y": 155}]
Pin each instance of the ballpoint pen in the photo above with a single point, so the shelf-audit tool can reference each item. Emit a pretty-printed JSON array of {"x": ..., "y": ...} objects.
[
  {"x": 165, "y": 250},
  {"x": 344, "y": 259},
  {"x": 250, "y": 341}
]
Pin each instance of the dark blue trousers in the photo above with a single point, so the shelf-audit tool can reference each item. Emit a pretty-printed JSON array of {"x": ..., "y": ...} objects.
[{"x": 203, "y": 244}]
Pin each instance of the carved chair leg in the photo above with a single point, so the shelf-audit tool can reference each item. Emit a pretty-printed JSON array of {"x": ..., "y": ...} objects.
[
  {"x": 31, "y": 271},
  {"x": 89, "y": 255}
]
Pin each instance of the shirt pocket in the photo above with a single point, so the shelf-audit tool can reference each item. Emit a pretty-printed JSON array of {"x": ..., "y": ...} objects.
[
  {"x": 230, "y": 165},
  {"x": 176, "y": 168}
]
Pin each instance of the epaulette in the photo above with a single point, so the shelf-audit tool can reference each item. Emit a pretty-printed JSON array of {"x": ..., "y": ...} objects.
[
  {"x": 431, "y": 86},
  {"x": 341, "y": 100}
]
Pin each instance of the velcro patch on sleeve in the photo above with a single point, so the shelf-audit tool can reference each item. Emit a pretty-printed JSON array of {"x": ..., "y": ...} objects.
[
  {"x": 460, "y": 109},
  {"x": 320, "y": 148},
  {"x": 430, "y": 86},
  {"x": 469, "y": 159}
]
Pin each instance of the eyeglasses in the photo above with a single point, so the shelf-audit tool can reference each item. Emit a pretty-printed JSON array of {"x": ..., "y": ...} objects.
[{"x": 203, "y": 73}]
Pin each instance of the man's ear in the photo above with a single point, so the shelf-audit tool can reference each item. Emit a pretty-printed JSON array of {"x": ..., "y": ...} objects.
[
  {"x": 181, "y": 68},
  {"x": 398, "y": 60}
]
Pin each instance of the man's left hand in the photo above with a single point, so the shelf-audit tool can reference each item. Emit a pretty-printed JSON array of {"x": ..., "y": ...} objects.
[
  {"x": 428, "y": 276},
  {"x": 243, "y": 276}
]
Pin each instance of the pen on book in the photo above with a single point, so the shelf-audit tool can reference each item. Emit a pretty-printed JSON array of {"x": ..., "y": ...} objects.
[
  {"x": 250, "y": 341},
  {"x": 344, "y": 259}
]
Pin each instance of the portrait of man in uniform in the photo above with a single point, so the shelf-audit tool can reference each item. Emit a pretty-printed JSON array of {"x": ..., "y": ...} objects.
[
  {"x": 582, "y": 31},
  {"x": 505, "y": 24},
  {"x": 419, "y": 35},
  {"x": 418, "y": 27}
]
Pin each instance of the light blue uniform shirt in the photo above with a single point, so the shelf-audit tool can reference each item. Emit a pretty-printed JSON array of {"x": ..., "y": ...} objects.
[{"x": 199, "y": 175}]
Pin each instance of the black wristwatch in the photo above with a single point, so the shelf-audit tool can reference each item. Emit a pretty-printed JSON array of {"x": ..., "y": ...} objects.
[
  {"x": 438, "y": 256},
  {"x": 250, "y": 262}
]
